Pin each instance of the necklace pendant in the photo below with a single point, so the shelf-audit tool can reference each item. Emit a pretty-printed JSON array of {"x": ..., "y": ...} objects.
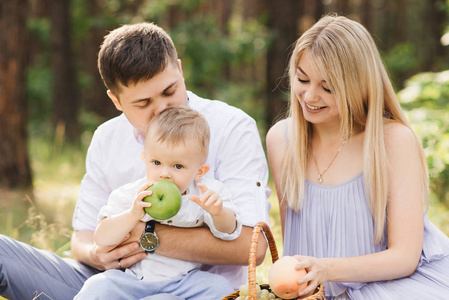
[{"x": 320, "y": 179}]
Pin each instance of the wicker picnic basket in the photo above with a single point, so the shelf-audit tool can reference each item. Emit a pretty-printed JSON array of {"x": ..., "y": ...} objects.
[{"x": 319, "y": 292}]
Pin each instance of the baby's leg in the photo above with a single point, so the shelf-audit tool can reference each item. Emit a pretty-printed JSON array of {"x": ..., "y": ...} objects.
[
  {"x": 110, "y": 284},
  {"x": 200, "y": 285}
]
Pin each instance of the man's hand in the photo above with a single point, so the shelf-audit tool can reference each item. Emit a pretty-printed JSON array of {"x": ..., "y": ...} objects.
[
  {"x": 107, "y": 257},
  {"x": 128, "y": 252}
]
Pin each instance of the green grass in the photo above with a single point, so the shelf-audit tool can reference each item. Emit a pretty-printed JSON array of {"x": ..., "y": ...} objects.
[{"x": 42, "y": 216}]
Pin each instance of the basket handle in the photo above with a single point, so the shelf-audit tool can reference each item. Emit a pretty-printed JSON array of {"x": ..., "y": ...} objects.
[{"x": 252, "y": 255}]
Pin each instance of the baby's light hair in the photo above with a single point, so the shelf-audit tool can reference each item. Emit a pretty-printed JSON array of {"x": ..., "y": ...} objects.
[{"x": 179, "y": 124}]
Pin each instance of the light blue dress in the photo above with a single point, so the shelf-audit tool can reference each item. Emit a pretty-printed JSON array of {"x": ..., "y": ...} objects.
[{"x": 335, "y": 221}]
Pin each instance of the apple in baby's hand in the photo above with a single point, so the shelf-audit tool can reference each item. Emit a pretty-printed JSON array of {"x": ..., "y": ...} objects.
[
  {"x": 283, "y": 278},
  {"x": 165, "y": 200}
]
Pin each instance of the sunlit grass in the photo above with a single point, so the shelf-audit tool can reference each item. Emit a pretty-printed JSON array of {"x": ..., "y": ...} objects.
[
  {"x": 42, "y": 216},
  {"x": 262, "y": 270}
]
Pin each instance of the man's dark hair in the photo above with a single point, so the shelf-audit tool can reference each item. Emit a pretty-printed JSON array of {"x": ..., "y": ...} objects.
[{"x": 132, "y": 53}]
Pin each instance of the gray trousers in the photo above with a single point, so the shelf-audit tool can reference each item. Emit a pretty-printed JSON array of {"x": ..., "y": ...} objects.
[
  {"x": 29, "y": 273},
  {"x": 115, "y": 284}
]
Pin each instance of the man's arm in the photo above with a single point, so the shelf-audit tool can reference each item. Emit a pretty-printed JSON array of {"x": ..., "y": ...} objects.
[
  {"x": 198, "y": 244},
  {"x": 202, "y": 246},
  {"x": 100, "y": 179}
]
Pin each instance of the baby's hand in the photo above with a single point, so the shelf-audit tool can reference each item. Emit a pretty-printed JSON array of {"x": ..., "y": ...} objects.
[
  {"x": 209, "y": 201},
  {"x": 138, "y": 206}
]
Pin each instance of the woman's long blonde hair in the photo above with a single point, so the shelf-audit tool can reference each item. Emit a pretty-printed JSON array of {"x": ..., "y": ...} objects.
[{"x": 344, "y": 53}]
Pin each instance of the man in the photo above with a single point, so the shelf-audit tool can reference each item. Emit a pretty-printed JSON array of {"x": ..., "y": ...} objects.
[{"x": 140, "y": 68}]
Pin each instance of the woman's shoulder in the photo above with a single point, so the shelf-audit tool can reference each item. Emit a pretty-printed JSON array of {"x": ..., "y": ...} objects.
[
  {"x": 396, "y": 132},
  {"x": 278, "y": 133},
  {"x": 399, "y": 138},
  {"x": 276, "y": 145}
]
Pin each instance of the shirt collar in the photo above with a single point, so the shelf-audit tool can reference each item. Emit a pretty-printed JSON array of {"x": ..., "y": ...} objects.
[{"x": 140, "y": 138}]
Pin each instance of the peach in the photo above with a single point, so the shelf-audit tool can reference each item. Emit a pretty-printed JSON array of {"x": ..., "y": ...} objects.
[{"x": 283, "y": 278}]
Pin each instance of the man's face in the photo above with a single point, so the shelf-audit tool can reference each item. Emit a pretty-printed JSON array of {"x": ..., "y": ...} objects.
[{"x": 140, "y": 102}]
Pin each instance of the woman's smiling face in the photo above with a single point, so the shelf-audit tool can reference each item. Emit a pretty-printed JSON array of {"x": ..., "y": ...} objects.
[{"x": 313, "y": 94}]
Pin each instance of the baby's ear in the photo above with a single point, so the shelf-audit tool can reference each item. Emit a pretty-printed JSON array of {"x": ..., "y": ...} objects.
[
  {"x": 142, "y": 156},
  {"x": 201, "y": 171}
]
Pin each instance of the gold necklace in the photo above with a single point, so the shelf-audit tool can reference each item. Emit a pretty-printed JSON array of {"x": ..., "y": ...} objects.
[{"x": 320, "y": 176}]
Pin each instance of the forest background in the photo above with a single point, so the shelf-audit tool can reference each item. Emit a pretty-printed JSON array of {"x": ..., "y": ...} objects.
[{"x": 52, "y": 98}]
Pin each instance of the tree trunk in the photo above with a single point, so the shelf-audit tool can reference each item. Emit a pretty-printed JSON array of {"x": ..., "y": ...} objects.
[
  {"x": 366, "y": 15},
  {"x": 94, "y": 97},
  {"x": 283, "y": 20},
  {"x": 386, "y": 23},
  {"x": 14, "y": 163},
  {"x": 66, "y": 99},
  {"x": 342, "y": 7},
  {"x": 400, "y": 17},
  {"x": 435, "y": 20}
]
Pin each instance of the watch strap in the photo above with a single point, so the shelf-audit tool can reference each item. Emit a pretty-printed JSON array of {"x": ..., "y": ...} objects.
[
  {"x": 149, "y": 226},
  {"x": 149, "y": 231}
]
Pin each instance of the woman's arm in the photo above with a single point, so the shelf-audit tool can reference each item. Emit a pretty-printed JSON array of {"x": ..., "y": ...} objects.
[
  {"x": 276, "y": 145},
  {"x": 405, "y": 223}
]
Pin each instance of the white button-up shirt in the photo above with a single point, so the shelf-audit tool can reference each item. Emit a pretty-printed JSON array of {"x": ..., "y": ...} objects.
[{"x": 236, "y": 158}]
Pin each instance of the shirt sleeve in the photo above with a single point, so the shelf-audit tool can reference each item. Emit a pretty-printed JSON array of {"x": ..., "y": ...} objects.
[
  {"x": 242, "y": 166},
  {"x": 121, "y": 199},
  {"x": 226, "y": 197},
  {"x": 112, "y": 160},
  {"x": 117, "y": 203},
  {"x": 94, "y": 191}
]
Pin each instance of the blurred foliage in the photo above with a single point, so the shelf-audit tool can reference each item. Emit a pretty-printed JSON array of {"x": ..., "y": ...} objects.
[
  {"x": 42, "y": 216},
  {"x": 426, "y": 101},
  {"x": 39, "y": 74},
  {"x": 224, "y": 60},
  {"x": 400, "y": 60},
  {"x": 206, "y": 50}
]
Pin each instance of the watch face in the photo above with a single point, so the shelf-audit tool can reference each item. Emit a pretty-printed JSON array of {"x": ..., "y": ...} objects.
[{"x": 149, "y": 242}]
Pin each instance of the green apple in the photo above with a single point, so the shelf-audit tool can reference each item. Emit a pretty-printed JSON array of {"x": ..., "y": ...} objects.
[{"x": 165, "y": 200}]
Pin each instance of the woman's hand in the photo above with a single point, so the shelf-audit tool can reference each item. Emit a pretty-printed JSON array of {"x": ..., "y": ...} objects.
[{"x": 316, "y": 273}]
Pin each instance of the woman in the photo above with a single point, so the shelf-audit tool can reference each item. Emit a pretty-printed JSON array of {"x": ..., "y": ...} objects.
[{"x": 351, "y": 176}]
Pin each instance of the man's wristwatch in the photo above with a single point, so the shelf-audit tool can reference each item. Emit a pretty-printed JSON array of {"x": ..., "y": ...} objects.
[{"x": 149, "y": 240}]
